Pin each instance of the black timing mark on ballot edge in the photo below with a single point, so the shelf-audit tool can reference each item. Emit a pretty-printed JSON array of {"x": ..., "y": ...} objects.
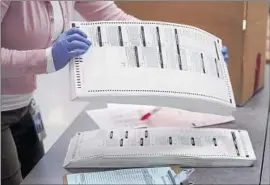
[
  {"x": 146, "y": 134},
  {"x": 217, "y": 67},
  {"x": 215, "y": 141},
  {"x": 159, "y": 48},
  {"x": 73, "y": 25},
  {"x": 170, "y": 140},
  {"x": 136, "y": 56},
  {"x": 111, "y": 134},
  {"x": 99, "y": 36},
  {"x": 120, "y": 36},
  {"x": 203, "y": 66},
  {"x": 216, "y": 50},
  {"x": 141, "y": 141},
  {"x": 143, "y": 36},
  {"x": 235, "y": 143},
  {"x": 192, "y": 141},
  {"x": 178, "y": 49},
  {"x": 121, "y": 142}
]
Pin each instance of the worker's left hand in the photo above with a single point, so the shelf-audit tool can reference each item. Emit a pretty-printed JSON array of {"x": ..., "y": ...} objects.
[{"x": 225, "y": 54}]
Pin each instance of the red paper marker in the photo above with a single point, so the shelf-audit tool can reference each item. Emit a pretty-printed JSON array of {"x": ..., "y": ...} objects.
[{"x": 147, "y": 115}]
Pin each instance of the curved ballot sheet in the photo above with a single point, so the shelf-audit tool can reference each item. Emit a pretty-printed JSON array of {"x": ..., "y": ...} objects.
[
  {"x": 152, "y": 63},
  {"x": 187, "y": 147}
]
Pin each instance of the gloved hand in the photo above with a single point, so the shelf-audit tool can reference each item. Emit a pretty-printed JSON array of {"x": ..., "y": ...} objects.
[
  {"x": 70, "y": 44},
  {"x": 225, "y": 54}
]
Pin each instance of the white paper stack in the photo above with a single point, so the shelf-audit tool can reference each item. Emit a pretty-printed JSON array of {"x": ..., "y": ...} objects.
[{"x": 187, "y": 147}]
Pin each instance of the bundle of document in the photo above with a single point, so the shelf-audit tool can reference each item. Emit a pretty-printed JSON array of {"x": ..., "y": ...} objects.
[
  {"x": 145, "y": 147},
  {"x": 138, "y": 176}
]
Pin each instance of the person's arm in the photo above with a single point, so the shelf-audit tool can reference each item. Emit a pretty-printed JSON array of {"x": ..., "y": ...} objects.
[
  {"x": 16, "y": 63},
  {"x": 19, "y": 63},
  {"x": 102, "y": 11}
]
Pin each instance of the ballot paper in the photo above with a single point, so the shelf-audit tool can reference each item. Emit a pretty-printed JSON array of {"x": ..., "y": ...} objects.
[
  {"x": 129, "y": 116},
  {"x": 152, "y": 63},
  {"x": 115, "y": 117},
  {"x": 159, "y": 176}
]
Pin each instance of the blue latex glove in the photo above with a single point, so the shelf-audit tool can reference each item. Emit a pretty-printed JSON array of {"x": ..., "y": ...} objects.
[
  {"x": 225, "y": 54},
  {"x": 70, "y": 44}
]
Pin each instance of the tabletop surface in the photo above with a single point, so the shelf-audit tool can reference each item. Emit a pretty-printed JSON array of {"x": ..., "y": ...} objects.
[
  {"x": 252, "y": 117},
  {"x": 265, "y": 179}
]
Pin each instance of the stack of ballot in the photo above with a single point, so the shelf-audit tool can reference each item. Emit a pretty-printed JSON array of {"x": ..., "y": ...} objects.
[
  {"x": 138, "y": 176},
  {"x": 145, "y": 147}
]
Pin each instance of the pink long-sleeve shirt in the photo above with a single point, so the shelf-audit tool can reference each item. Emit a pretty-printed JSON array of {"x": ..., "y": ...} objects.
[{"x": 27, "y": 30}]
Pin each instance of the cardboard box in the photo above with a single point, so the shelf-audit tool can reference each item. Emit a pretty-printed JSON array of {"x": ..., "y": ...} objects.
[{"x": 241, "y": 25}]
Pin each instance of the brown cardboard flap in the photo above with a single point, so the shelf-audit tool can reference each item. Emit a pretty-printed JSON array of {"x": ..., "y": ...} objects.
[{"x": 255, "y": 43}]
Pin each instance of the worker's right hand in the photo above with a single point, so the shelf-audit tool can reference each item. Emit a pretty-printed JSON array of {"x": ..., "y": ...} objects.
[{"x": 70, "y": 44}]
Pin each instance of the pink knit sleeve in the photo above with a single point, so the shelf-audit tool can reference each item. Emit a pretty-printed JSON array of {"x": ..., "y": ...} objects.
[
  {"x": 18, "y": 63},
  {"x": 102, "y": 11}
]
